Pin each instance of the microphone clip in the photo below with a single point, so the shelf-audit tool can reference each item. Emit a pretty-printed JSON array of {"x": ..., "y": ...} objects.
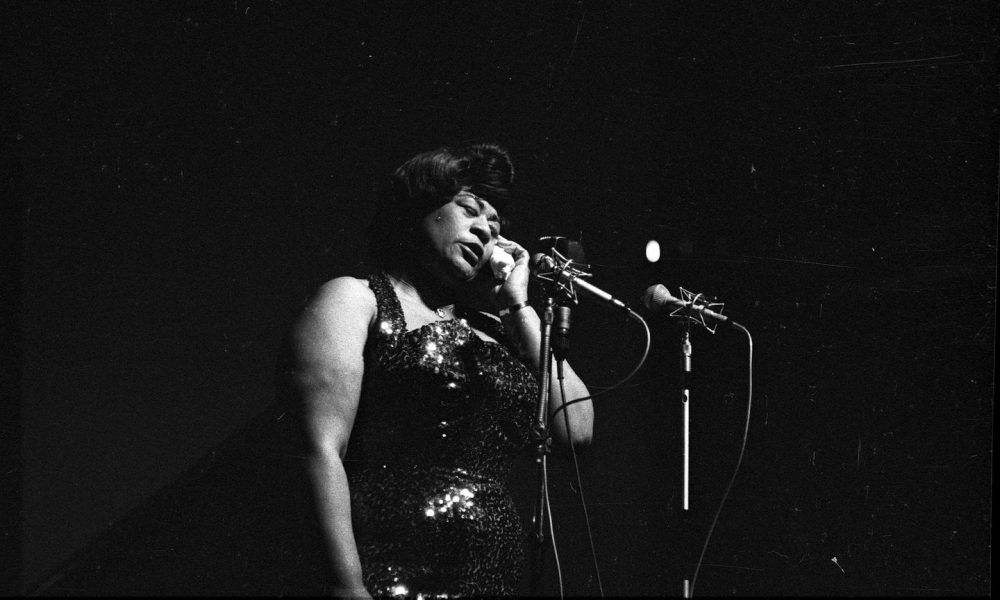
[
  {"x": 693, "y": 309},
  {"x": 561, "y": 276}
]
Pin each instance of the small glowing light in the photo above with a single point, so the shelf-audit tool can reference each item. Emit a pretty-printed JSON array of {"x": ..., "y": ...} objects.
[
  {"x": 400, "y": 590},
  {"x": 653, "y": 251},
  {"x": 429, "y": 512}
]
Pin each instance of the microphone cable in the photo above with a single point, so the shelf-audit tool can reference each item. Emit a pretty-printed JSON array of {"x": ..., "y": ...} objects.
[
  {"x": 620, "y": 383},
  {"x": 739, "y": 461},
  {"x": 576, "y": 464},
  {"x": 552, "y": 529},
  {"x": 579, "y": 481}
]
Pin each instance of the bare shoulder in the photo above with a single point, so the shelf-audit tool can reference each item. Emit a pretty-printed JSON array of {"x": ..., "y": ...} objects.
[
  {"x": 343, "y": 293},
  {"x": 341, "y": 303}
]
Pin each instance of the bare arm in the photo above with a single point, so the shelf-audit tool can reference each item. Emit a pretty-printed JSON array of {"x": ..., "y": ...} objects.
[
  {"x": 523, "y": 328},
  {"x": 328, "y": 344}
]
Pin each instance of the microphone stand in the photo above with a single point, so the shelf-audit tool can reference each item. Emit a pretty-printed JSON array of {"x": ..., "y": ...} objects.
[
  {"x": 538, "y": 433},
  {"x": 545, "y": 354},
  {"x": 686, "y": 418},
  {"x": 686, "y": 405},
  {"x": 690, "y": 306}
]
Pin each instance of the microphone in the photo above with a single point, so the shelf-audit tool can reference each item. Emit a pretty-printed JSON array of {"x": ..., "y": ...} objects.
[
  {"x": 570, "y": 280},
  {"x": 560, "y": 332},
  {"x": 694, "y": 306},
  {"x": 571, "y": 252}
]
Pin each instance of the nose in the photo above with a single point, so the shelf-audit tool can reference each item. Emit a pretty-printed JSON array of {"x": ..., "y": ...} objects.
[{"x": 481, "y": 228}]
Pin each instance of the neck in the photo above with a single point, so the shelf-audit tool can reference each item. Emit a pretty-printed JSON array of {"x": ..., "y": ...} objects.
[{"x": 420, "y": 286}]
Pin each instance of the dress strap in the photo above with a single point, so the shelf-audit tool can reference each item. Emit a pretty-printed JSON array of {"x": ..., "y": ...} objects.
[
  {"x": 389, "y": 308},
  {"x": 390, "y": 323}
]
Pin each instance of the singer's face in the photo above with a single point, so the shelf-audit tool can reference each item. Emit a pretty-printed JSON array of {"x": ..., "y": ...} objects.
[{"x": 462, "y": 234}]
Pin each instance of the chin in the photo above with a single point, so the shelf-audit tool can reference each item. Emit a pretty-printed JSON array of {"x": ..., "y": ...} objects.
[
  {"x": 470, "y": 274},
  {"x": 458, "y": 273},
  {"x": 465, "y": 271}
]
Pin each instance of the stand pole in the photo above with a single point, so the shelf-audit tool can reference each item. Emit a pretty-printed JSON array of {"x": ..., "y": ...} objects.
[
  {"x": 686, "y": 405},
  {"x": 541, "y": 440},
  {"x": 686, "y": 409}
]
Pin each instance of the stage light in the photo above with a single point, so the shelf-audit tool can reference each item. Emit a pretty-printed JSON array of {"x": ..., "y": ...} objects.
[{"x": 652, "y": 251}]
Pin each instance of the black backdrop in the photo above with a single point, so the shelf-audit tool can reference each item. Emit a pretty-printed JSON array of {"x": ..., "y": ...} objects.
[{"x": 188, "y": 172}]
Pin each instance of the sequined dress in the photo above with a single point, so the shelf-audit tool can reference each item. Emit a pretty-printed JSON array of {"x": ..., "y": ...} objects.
[{"x": 442, "y": 413}]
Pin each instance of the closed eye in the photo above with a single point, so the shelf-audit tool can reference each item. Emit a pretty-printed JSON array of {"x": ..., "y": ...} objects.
[{"x": 473, "y": 206}]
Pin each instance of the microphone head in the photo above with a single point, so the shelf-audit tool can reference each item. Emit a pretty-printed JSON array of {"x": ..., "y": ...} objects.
[
  {"x": 656, "y": 297},
  {"x": 541, "y": 262}
]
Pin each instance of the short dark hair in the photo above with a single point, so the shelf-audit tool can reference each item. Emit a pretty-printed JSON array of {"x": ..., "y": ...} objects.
[{"x": 430, "y": 179}]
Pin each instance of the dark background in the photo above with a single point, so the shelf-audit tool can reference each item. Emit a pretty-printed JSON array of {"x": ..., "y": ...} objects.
[{"x": 187, "y": 173}]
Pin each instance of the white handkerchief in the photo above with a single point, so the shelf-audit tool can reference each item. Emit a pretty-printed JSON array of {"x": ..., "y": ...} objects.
[{"x": 502, "y": 263}]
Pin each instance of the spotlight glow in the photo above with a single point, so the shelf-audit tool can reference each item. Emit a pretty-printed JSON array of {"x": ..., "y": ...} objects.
[{"x": 653, "y": 251}]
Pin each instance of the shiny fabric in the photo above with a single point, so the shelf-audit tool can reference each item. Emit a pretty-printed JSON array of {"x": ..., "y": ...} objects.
[{"x": 441, "y": 414}]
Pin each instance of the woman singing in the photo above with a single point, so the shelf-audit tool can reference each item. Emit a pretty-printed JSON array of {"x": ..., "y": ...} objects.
[{"x": 417, "y": 385}]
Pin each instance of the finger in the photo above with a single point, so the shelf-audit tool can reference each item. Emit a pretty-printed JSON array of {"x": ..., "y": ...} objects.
[
  {"x": 507, "y": 244},
  {"x": 519, "y": 252}
]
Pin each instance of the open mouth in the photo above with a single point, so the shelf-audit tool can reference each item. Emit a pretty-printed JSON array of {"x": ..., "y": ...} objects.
[{"x": 471, "y": 253}]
